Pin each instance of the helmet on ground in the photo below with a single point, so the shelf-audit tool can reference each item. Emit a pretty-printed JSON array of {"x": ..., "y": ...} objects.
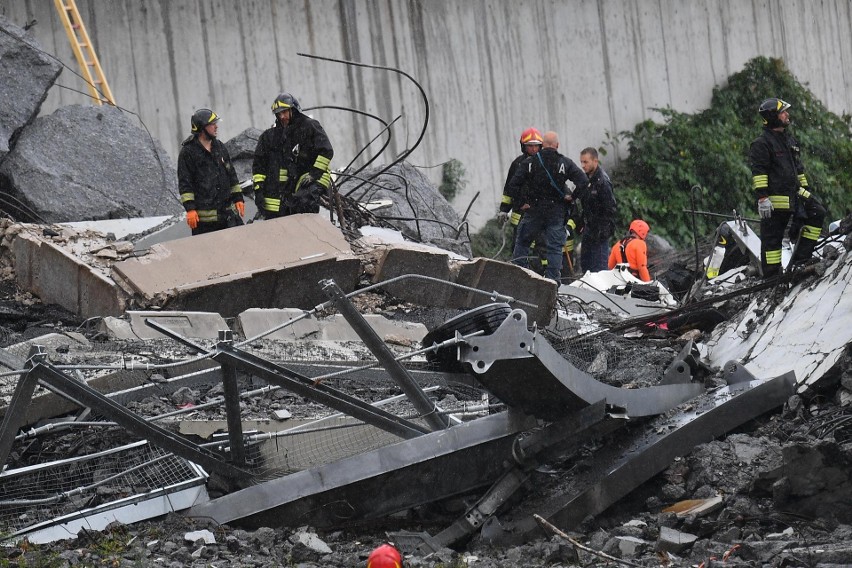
[
  {"x": 640, "y": 227},
  {"x": 531, "y": 136},
  {"x": 770, "y": 109},
  {"x": 283, "y": 102},
  {"x": 202, "y": 118},
  {"x": 385, "y": 556}
]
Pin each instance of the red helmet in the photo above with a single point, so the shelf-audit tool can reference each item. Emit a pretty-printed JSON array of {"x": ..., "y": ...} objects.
[
  {"x": 640, "y": 227},
  {"x": 385, "y": 556},
  {"x": 531, "y": 136}
]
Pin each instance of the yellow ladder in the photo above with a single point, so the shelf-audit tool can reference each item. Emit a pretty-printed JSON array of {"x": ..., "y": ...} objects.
[{"x": 83, "y": 51}]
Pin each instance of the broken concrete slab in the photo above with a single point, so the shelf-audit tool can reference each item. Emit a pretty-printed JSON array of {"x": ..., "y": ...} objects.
[
  {"x": 411, "y": 258},
  {"x": 335, "y": 328},
  {"x": 83, "y": 162},
  {"x": 195, "y": 325},
  {"x": 223, "y": 272},
  {"x": 22, "y": 97},
  {"x": 480, "y": 273},
  {"x": 511, "y": 280},
  {"x": 58, "y": 277},
  {"x": 816, "y": 323}
]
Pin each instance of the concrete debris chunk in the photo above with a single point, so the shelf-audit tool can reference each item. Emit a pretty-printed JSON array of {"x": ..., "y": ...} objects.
[
  {"x": 629, "y": 546},
  {"x": 203, "y": 535},
  {"x": 83, "y": 163},
  {"x": 674, "y": 541},
  {"x": 311, "y": 541},
  {"x": 56, "y": 276},
  {"x": 481, "y": 273},
  {"x": 34, "y": 72}
]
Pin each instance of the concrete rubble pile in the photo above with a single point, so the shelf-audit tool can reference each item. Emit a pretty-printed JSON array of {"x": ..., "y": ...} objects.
[
  {"x": 276, "y": 386},
  {"x": 649, "y": 469}
]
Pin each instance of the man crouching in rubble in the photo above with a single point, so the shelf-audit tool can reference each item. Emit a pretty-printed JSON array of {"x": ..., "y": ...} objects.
[
  {"x": 209, "y": 190},
  {"x": 778, "y": 178},
  {"x": 291, "y": 162}
]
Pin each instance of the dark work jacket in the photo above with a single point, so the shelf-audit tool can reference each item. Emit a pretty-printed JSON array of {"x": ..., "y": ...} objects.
[
  {"x": 285, "y": 153},
  {"x": 531, "y": 183},
  {"x": 206, "y": 180},
  {"x": 776, "y": 167},
  {"x": 509, "y": 201},
  {"x": 596, "y": 216}
]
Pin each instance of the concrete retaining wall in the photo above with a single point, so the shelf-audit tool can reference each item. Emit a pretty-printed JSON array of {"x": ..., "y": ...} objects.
[{"x": 490, "y": 68}]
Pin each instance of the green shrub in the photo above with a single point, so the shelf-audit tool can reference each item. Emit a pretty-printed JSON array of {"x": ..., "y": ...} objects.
[
  {"x": 709, "y": 149},
  {"x": 452, "y": 179}
]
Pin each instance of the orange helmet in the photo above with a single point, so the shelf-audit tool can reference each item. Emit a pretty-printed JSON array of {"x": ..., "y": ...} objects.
[
  {"x": 531, "y": 136},
  {"x": 640, "y": 227},
  {"x": 385, "y": 556}
]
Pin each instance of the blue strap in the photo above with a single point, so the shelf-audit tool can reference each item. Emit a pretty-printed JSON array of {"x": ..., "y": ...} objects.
[{"x": 540, "y": 161}]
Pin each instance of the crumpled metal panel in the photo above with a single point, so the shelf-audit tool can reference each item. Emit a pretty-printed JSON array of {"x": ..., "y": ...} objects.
[
  {"x": 523, "y": 370},
  {"x": 624, "y": 464},
  {"x": 379, "y": 482}
]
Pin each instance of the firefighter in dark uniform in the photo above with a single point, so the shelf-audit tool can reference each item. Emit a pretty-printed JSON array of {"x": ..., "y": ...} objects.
[
  {"x": 544, "y": 201},
  {"x": 291, "y": 162},
  {"x": 530, "y": 144},
  {"x": 778, "y": 179},
  {"x": 209, "y": 190}
]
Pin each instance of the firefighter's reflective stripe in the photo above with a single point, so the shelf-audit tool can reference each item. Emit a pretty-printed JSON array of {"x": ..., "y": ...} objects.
[
  {"x": 760, "y": 181},
  {"x": 272, "y": 204},
  {"x": 773, "y": 256},
  {"x": 325, "y": 180},
  {"x": 804, "y": 193},
  {"x": 207, "y": 215},
  {"x": 322, "y": 163},
  {"x": 236, "y": 189},
  {"x": 515, "y": 218},
  {"x": 258, "y": 180},
  {"x": 780, "y": 202},
  {"x": 810, "y": 232},
  {"x": 283, "y": 175},
  {"x": 506, "y": 200},
  {"x": 184, "y": 197},
  {"x": 569, "y": 246},
  {"x": 803, "y": 180}
]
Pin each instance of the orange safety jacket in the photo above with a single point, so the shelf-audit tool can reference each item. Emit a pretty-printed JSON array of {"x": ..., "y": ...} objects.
[{"x": 633, "y": 251}]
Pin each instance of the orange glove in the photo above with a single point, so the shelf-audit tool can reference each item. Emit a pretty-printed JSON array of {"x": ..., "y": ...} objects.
[
  {"x": 241, "y": 208},
  {"x": 192, "y": 218}
]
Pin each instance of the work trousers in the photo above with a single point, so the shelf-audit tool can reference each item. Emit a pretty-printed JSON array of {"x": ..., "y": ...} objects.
[
  {"x": 808, "y": 216},
  {"x": 547, "y": 219},
  {"x": 594, "y": 255}
]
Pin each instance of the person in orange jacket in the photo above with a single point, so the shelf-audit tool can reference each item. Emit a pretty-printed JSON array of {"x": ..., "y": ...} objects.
[
  {"x": 633, "y": 251},
  {"x": 385, "y": 556}
]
